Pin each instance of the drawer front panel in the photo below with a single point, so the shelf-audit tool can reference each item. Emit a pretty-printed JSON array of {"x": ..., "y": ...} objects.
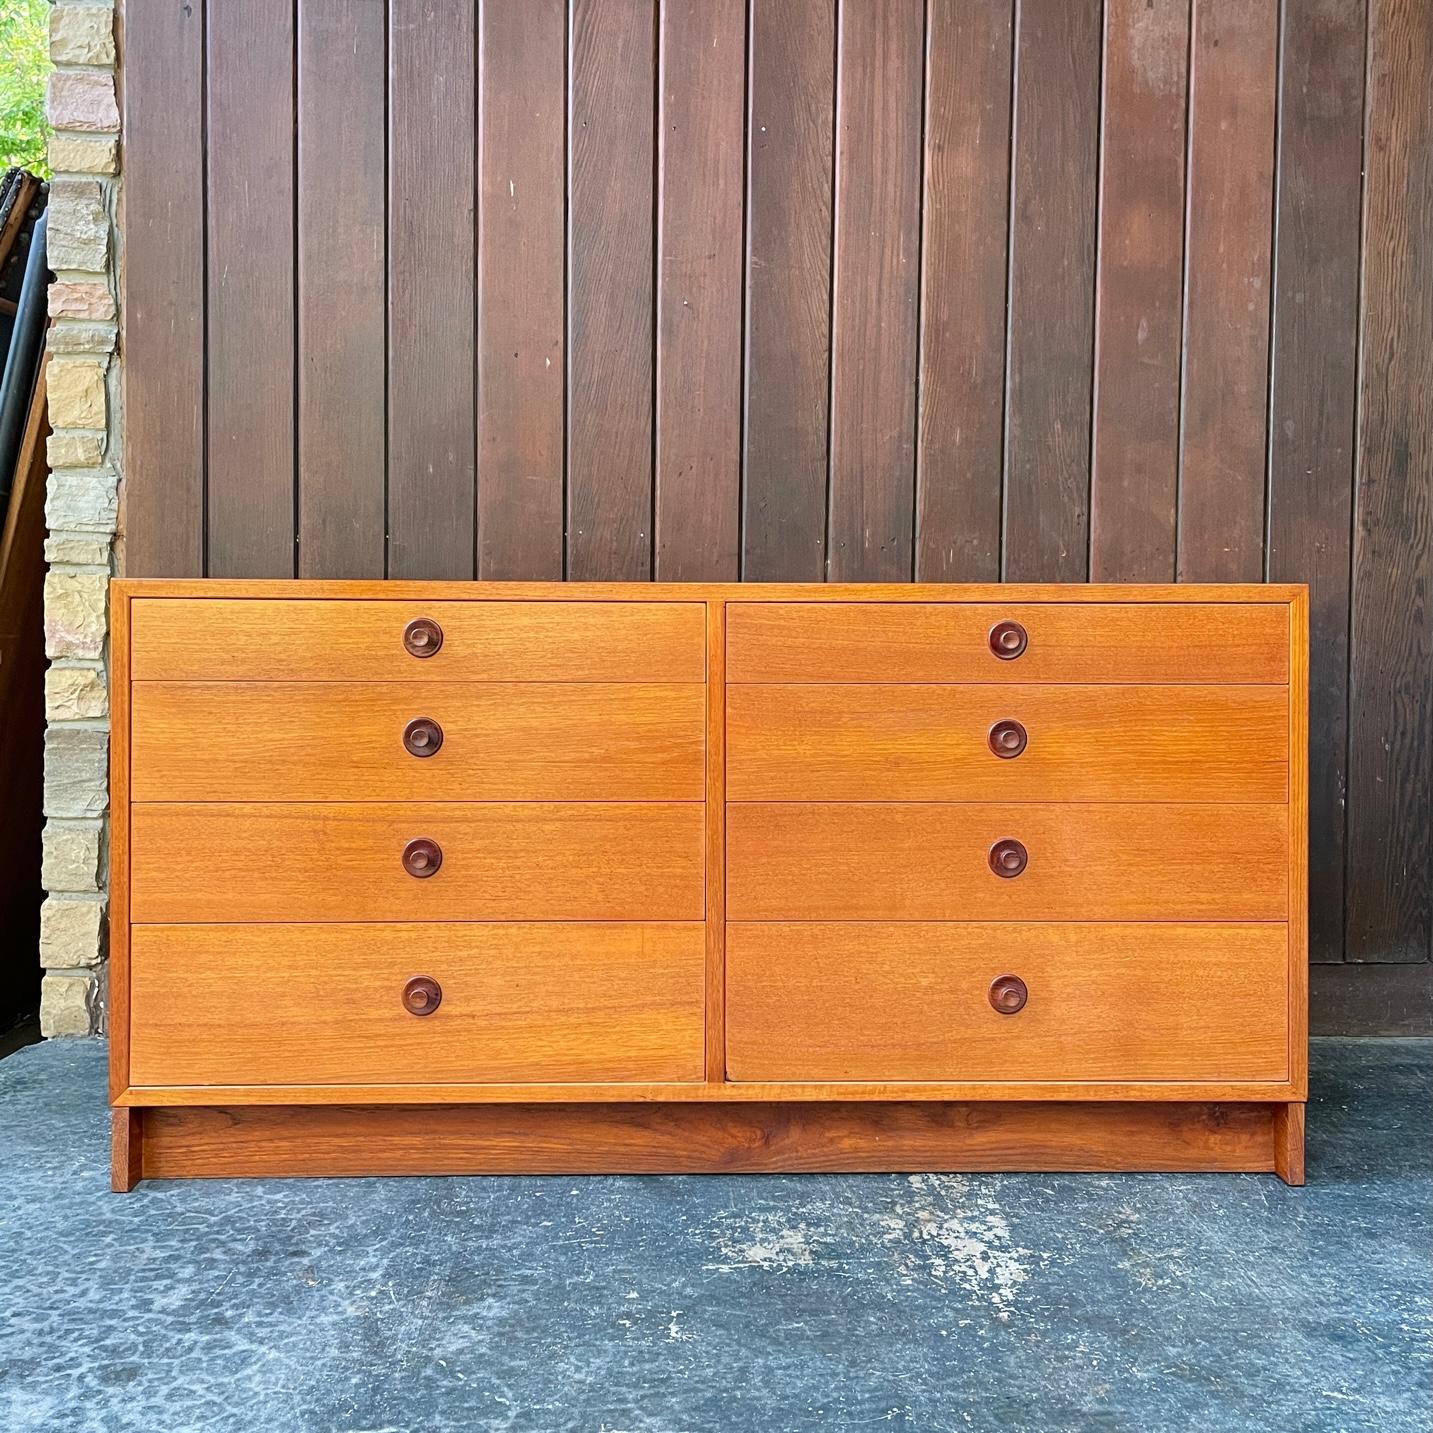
[
  {"x": 933, "y": 862},
  {"x": 879, "y": 742},
  {"x": 296, "y": 640},
  {"x": 888, "y": 1002},
  {"x": 531, "y": 861},
  {"x": 303, "y": 1004},
  {"x": 1208, "y": 643},
  {"x": 334, "y": 741}
]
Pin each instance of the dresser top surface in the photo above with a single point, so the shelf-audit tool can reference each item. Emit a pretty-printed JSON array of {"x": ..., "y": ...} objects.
[{"x": 406, "y": 591}]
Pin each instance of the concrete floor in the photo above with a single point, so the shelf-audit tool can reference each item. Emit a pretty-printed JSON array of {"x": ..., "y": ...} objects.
[{"x": 1142, "y": 1303}]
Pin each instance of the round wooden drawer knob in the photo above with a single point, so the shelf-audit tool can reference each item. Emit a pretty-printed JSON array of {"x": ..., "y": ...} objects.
[
  {"x": 1008, "y": 859},
  {"x": 1007, "y": 739},
  {"x": 422, "y": 857},
  {"x": 422, "y": 995},
  {"x": 423, "y": 736},
  {"x": 1008, "y": 994},
  {"x": 1008, "y": 640},
  {"x": 422, "y": 637}
]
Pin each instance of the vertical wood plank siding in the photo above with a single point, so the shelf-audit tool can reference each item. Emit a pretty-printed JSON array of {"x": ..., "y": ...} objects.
[
  {"x": 805, "y": 289},
  {"x": 611, "y": 317},
  {"x": 250, "y": 287},
  {"x": 1311, "y": 437},
  {"x": 1390, "y": 856},
  {"x": 165, "y": 302},
  {"x": 964, "y": 251},
  {"x": 1227, "y": 263},
  {"x": 1134, "y": 462},
  {"x": 875, "y": 291},
  {"x": 430, "y": 298},
  {"x": 700, "y": 125},
  {"x": 522, "y": 341},
  {"x": 790, "y": 130},
  {"x": 342, "y": 288},
  {"x": 1054, "y": 175}
]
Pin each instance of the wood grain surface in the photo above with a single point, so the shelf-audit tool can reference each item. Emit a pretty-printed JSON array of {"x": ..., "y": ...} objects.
[
  {"x": 1299, "y": 847},
  {"x": 249, "y": 233},
  {"x": 1223, "y": 441},
  {"x": 120, "y": 692},
  {"x": 1094, "y": 642},
  {"x": 700, "y": 208},
  {"x": 431, "y": 291},
  {"x": 1123, "y": 1002},
  {"x": 164, "y": 290},
  {"x": 1390, "y": 774},
  {"x": 787, "y": 365},
  {"x": 715, "y": 814},
  {"x": 1314, "y": 373},
  {"x": 875, "y": 291},
  {"x": 1289, "y": 1142},
  {"x": 1050, "y": 324},
  {"x": 340, "y": 741},
  {"x": 537, "y": 861},
  {"x": 611, "y": 150},
  {"x": 342, "y": 290},
  {"x": 522, "y": 275},
  {"x": 126, "y": 1149},
  {"x": 258, "y": 1004},
  {"x": 750, "y": 1092},
  {"x": 1239, "y": 594},
  {"x": 314, "y": 640},
  {"x": 964, "y": 252},
  {"x": 880, "y": 742},
  {"x": 710, "y": 1139},
  {"x": 1139, "y": 318},
  {"x": 1093, "y": 862}
]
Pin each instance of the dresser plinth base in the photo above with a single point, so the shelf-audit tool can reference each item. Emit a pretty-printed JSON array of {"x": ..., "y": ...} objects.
[{"x": 189, "y": 1142}]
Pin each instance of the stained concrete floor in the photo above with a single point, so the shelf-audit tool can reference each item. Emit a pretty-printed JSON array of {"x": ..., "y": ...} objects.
[{"x": 1142, "y": 1303}]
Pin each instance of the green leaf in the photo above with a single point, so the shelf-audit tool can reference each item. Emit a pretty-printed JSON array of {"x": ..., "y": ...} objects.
[{"x": 24, "y": 70}]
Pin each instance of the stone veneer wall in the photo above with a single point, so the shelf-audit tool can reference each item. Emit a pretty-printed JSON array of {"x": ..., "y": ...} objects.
[{"x": 81, "y": 510}]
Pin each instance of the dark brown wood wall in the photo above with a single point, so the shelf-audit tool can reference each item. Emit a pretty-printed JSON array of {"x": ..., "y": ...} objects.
[{"x": 805, "y": 289}]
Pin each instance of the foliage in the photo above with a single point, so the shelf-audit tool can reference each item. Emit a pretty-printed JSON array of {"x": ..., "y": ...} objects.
[{"x": 24, "y": 68}]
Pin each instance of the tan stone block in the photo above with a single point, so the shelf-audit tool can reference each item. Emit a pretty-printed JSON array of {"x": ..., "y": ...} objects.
[
  {"x": 85, "y": 501},
  {"x": 77, "y": 395},
  {"x": 75, "y": 450},
  {"x": 70, "y": 337},
  {"x": 82, "y": 100},
  {"x": 81, "y": 298},
  {"x": 76, "y": 154},
  {"x": 76, "y": 771},
  {"x": 70, "y": 549},
  {"x": 69, "y": 1003},
  {"x": 71, "y": 853},
  {"x": 75, "y": 614},
  {"x": 75, "y": 694},
  {"x": 82, "y": 35},
  {"x": 72, "y": 933},
  {"x": 78, "y": 234}
]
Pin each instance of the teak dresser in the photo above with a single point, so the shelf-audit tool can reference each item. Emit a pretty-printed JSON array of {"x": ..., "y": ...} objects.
[{"x": 448, "y": 878}]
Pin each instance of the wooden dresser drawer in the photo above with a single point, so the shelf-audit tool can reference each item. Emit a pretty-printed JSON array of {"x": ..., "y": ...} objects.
[
  {"x": 536, "y": 861},
  {"x": 324, "y": 1004},
  {"x": 339, "y": 741},
  {"x": 1093, "y": 862},
  {"x": 306, "y": 640},
  {"x": 889, "y": 742},
  {"x": 1094, "y": 642},
  {"x": 890, "y": 1002}
]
